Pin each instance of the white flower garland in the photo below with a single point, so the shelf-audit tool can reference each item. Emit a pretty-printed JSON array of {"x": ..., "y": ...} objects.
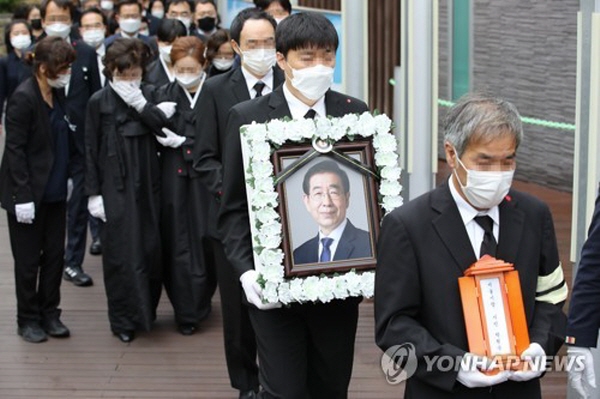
[{"x": 260, "y": 138}]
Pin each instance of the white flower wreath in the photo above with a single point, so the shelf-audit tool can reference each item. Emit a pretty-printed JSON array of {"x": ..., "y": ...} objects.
[{"x": 258, "y": 140}]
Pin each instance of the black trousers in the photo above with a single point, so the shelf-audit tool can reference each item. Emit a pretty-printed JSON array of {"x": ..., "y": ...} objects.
[
  {"x": 306, "y": 350},
  {"x": 38, "y": 251},
  {"x": 77, "y": 221},
  {"x": 238, "y": 334}
]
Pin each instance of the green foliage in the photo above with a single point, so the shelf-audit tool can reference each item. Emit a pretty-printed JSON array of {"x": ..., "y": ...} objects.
[{"x": 8, "y": 5}]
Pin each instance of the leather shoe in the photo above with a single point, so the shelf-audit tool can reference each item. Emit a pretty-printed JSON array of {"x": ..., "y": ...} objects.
[
  {"x": 248, "y": 395},
  {"x": 77, "y": 276},
  {"x": 96, "y": 247},
  {"x": 32, "y": 333},
  {"x": 186, "y": 329},
  {"x": 125, "y": 336},
  {"x": 55, "y": 328}
]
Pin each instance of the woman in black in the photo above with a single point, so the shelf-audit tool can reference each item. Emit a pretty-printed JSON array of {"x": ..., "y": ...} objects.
[
  {"x": 219, "y": 53},
  {"x": 160, "y": 71},
  {"x": 123, "y": 184},
  {"x": 184, "y": 199},
  {"x": 33, "y": 188}
]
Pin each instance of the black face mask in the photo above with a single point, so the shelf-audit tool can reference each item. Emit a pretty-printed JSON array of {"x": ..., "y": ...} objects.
[
  {"x": 207, "y": 24},
  {"x": 36, "y": 24}
]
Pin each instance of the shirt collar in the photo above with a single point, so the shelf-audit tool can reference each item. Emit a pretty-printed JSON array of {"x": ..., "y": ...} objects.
[
  {"x": 298, "y": 109},
  {"x": 336, "y": 234},
  {"x": 101, "y": 50},
  {"x": 466, "y": 210},
  {"x": 251, "y": 80}
]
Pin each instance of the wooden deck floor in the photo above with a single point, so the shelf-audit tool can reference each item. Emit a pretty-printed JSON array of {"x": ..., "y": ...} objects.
[{"x": 164, "y": 364}]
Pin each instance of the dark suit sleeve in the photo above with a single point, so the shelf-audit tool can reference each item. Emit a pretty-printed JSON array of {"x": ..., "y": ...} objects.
[
  {"x": 3, "y": 84},
  {"x": 233, "y": 222},
  {"x": 19, "y": 119},
  {"x": 584, "y": 309},
  {"x": 93, "y": 133},
  {"x": 207, "y": 147},
  {"x": 549, "y": 321},
  {"x": 398, "y": 303}
]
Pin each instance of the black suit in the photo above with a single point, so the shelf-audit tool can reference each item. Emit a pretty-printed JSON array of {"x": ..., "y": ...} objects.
[
  {"x": 156, "y": 74},
  {"x": 304, "y": 349},
  {"x": 354, "y": 243},
  {"x": 218, "y": 95},
  {"x": 423, "y": 249},
  {"x": 13, "y": 71}
]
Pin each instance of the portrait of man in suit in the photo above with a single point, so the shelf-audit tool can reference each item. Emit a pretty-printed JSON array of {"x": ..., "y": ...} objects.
[{"x": 326, "y": 197}]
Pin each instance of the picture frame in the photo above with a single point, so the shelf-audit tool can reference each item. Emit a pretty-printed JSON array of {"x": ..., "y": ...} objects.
[{"x": 367, "y": 137}]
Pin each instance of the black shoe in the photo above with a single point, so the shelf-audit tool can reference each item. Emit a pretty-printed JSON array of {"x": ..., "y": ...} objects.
[
  {"x": 186, "y": 329},
  {"x": 32, "y": 333},
  {"x": 55, "y": 328},
  {"x": 77, "y": 276},
  {"x": 96, "y": 247},
  {"x": 125, "y": 336},
  {"x": 248, "y": 395}
]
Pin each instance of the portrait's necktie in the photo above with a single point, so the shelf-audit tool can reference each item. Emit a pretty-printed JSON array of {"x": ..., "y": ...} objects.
[
  {"x": 488, "y": 245},
  {"x": 310, "y": 114},
  {"x": 258, "y": 87},
  {"x": 326, "y": 253}
]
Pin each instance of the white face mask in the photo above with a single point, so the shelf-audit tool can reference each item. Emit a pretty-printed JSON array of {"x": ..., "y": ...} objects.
[
  {"x": 118, "y": 84},
  {"x": 58, "y": 29},
  {"x": 165, "y": 53},
  {"x": 313, "y": 82},
  {"x": 189, "y": 81},
  {"x": 130, "y": 26},
  {"x": 61, "y": 81},
  {"x": 259, "y": 60},
  {"x": 93, "y": 37},
  {"x": 186, "y": 22},
  {"x": 107, "y": 5},
  {"x": 20, "y": 42},
  {"x": 485, "y": 189},
  {"x": 222, "y": 64},
  {"x": 158, "y": 13}
]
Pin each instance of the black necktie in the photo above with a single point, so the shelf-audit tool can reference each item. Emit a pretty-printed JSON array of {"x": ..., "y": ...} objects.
[
  {"x": 259, "y": 86},
  {"x": 310, "y": 114},
  {"x": 488, "y": 245}
]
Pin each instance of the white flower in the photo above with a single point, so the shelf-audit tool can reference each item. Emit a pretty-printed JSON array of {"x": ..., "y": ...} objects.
[
  {"x": 389, "y": 187},
  {"x": 261, "y": 150},
  {"x": 326, "y": 291},
  {"x": 261, "y": 169},
  {"x": 272, "y": 258},
  {"x": 297, "y": 290},
  {"x": 385, "y": 143},
  {"x": 353, "y": 284},
  {"x": 323, "y": 126},
  {"x": 303, "y": 129},
  {"x": 269, "y": 241},
  {"x": 255, "y": 131},
  {"x": 272, "y": 228},
  {"x": 347, "y": 122},
  {"x": 391, "y": 202},
  {"x": 260, "y": 199},
  {"x": 367, "y": 284},
  {"x": 391, "y": 173},
  {"x": 264, "y": 185},
  {"x": 285, "y": 295},
  {"x": 270, "y": 292},
  {"x": 339, "y": 288},
  {"x": 266, "y": 215},
  {"x": 312, "y": 288},
  {"x": 383, "y": 124},
  {"x": 386, "y": 159},
  {"x": 365, "y": 126}
]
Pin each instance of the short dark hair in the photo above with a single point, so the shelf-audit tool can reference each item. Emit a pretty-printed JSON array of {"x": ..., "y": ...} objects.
[
  {"x": 125, "y": 53},
  {"x": 170, "y": 29},
  {"x": 304, "y": 30},
  {"x": 214, "y": 4},
  {"x": 8, "y": 28},
  {"x": 127, "y": 3},
  {"x": 151, "y": 3},
  {"x": 93, "y": 10},
  {"x": 175, "y": 2},
  {"x": 22, "y": 11},
  {"x": 215, "y": 41},
  {"x": 325, "y": 167},
  {"x": 52, "y": 51},
  {"x": 264, "y": 4},
  {"x": 246, "y": 14},
  {"x": 62, "y": 4}
]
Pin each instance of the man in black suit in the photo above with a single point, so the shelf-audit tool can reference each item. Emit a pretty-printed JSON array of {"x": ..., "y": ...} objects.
[
  {"x": 427, "y": 244},
  {"x": 252, "y": 32},
  {"x": 128, "y": 14},
  {"x": 85, "y": 81},
  {"x": 304, "y": 350},
  {"x": 326, "y": 197}
]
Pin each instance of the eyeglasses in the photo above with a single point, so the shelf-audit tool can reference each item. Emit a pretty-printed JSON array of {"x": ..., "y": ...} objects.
[
  {"x": 58, "y": 18},
  {"x": 319, "y": 196}
]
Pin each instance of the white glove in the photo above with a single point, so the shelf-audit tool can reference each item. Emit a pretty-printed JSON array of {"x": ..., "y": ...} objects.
[
  {"x": 254, "y": 292},
  {"x": 535, "y": 356},
  {"x": 96, "y": 207},
  {"x": 167, "y": 107},
  {"x": 130, "y": 93},
  {"x": 25, "y": 213},
  {"x": 581, "y": 373},
  {"x": 172, "y": 139},
  {"x": 470, "y": 375}
]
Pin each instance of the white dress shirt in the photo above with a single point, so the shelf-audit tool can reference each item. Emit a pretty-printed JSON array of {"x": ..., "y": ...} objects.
[
  {"x": 298, "y": 109},
  {"x": 336, "y": 235},
  {"x": 468, "y": 214},
  {"x": 100, "y": 51},
  {"x": 251, "y": 80}
]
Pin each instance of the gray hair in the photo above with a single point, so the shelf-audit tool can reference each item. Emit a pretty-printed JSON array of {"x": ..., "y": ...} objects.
[{"x": 481, "y": 116}]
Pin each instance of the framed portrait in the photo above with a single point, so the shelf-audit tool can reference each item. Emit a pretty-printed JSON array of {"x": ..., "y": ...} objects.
[{"x": 317, "y": 190}]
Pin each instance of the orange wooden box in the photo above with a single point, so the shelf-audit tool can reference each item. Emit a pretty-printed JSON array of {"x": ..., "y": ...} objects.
[{"x": 486, "y": 270}]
